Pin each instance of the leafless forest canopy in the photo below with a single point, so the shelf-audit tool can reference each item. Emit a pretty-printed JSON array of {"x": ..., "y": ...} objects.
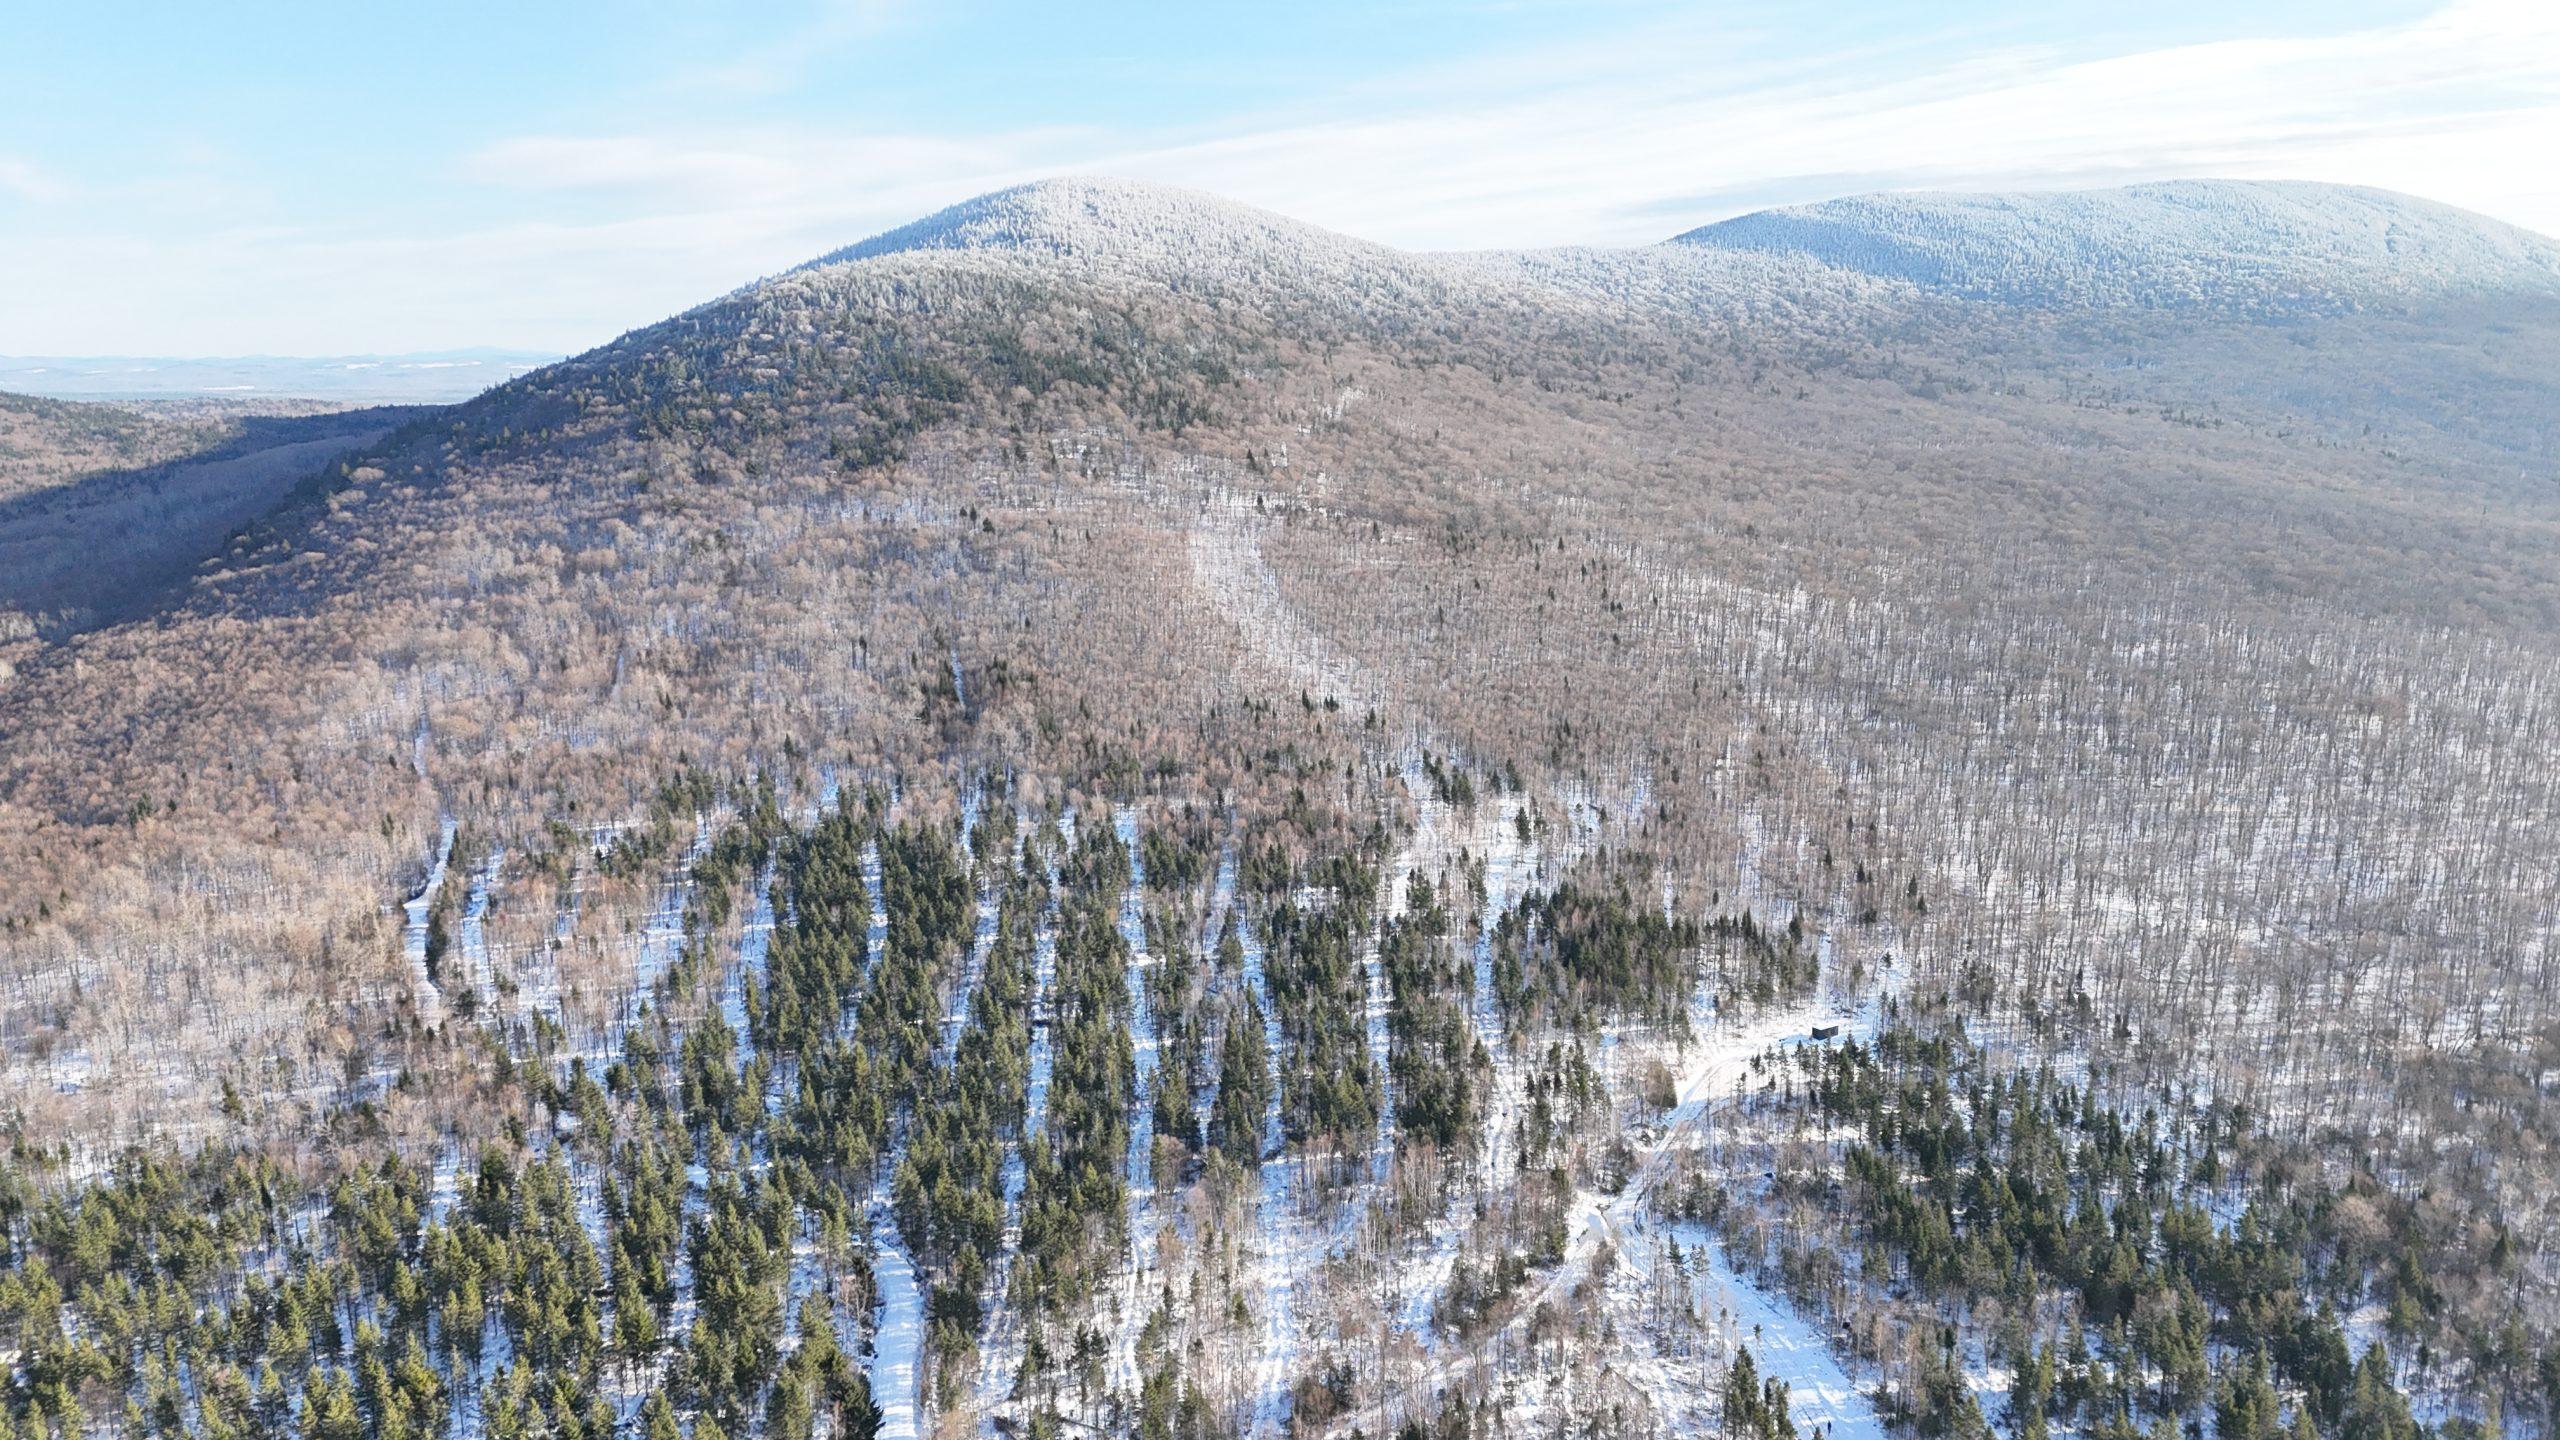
[{"x": 695, "y": 808}]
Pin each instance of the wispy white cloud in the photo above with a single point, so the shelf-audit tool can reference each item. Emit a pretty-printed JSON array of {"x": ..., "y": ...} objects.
[
  {"x": 1611, "y": 142},
  {"x": 805, "y": 44},
  {"x": 625, "y": 162},
  {"x": 773, "y": 168},
  {"x": 27, "y": 181},
  {"x": 1610, "y": 160}
]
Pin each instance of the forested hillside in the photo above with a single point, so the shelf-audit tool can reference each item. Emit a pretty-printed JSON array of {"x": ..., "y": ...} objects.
[
  {"x": 103, "y": 509},
  {"x": 1110, "y": 812},
  {"x": 45, "y": 442}
]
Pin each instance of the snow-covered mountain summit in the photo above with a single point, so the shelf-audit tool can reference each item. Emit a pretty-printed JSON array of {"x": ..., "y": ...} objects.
[
  {"x": 1163, "y": 234},
  {"x": 1105, "y": 217},
  {"x": 2220, "y": 243}
]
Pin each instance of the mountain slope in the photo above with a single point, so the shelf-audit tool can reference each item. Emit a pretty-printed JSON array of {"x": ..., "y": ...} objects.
[
  {"x": 1143, "y": 819},
  {"x": 45, "y": 442}
]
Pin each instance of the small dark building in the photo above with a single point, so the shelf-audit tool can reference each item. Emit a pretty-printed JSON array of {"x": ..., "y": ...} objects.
[{"x": 1825, "y": 1032}]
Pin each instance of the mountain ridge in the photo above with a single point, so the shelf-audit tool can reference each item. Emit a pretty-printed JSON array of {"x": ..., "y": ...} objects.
[
  {"x": 2247, "y": 244},
  {"x": 2160, "y": 245}
]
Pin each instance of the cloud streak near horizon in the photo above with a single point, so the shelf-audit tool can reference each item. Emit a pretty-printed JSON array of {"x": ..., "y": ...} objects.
[{"x": 559, "y": 236}]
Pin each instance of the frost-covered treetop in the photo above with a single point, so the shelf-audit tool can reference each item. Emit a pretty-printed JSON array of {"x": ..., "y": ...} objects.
[
  {"x": 1135, "y": 233},
  {"x": 1095, "y": 217},
  {"x": 1159, "y": 233},
  {"x": 2219, "y": 243}
]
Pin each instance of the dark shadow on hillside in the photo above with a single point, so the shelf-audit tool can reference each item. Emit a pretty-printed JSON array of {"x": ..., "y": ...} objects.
[{"x": 110, "y": 546}]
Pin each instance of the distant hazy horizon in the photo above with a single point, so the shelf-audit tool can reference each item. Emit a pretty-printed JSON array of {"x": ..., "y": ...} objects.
[{"x": 420, "y": 377}]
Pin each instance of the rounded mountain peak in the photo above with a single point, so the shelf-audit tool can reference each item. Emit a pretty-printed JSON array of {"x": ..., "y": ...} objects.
[
  {"x": 1103, "y": 218},
  {"x": 2220, "y": 243}
]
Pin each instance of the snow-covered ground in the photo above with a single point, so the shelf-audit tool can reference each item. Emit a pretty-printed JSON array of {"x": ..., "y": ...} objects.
[
  {"x": 894, "y": 1376},
  {"x": 471, "y": 936},
  {"x": 1736, "y": 1313},
  {"x": 1709, "y": 1070},
  {"x": 876, "y": 938},
  {"x": 1277, "y": 1251},
  {"x": 1786, "y": 1344},
  {"x": 1140, "y": 1173},
  {"x": 1000, "y": 1345},
  {"x": 413, "y": 935},
  {"x": 1228, "y": 566},
  {"x": 755, "y": 940}
]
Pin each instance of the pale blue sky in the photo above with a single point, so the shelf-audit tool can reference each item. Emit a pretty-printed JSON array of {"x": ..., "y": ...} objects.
[{"x": 313, "y": 178}]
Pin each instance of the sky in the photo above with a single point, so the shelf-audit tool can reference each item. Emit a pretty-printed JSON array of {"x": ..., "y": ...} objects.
[{"x": 305, "y": 178}]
